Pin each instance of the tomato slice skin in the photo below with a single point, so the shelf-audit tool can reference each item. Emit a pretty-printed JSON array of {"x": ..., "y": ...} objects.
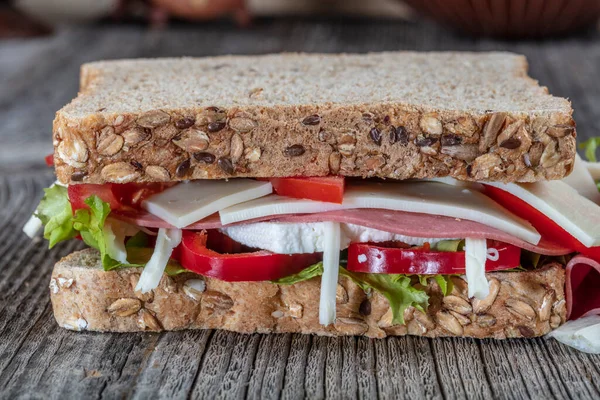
[
  {"x": 328, "y": 188},
  {"x": 119, "y": 196},
  {"x": 49, "y": 159},
  {"x": 376, "y": 259},
  {"x": 261, "y": 265},
  {"x": 80, "y": 192},
  {"x": 132, "y": 194},
  {"x": 547, "y": 227}
]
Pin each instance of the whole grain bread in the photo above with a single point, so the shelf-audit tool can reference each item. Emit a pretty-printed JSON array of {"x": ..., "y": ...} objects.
[
  {"x": 472, "y": 116},
  {"x": 85, "y": 297}
]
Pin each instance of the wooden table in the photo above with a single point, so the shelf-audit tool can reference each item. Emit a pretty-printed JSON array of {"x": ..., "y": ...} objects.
[{"x": 40, "y": 360}]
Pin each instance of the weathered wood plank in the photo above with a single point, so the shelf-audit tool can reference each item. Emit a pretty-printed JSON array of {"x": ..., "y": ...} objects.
[
  {"x": 315, "y": 368},
  {"x": 295, "y": 369},
  {"x": 460, "y": 363},
  {"x": 421, "y": 350},
  {"x": 274, "y": 375},
  {"x": 235, "y": 381},
  {"x": 578, "y": 371},
  {"x": 365, "y": 368},
  {"x": 172, "y": 365},
  {"x": 333, "y": 370},
  {"x": 349, "y": 381},
  {"x": 214, "y": 365},
  {"x": 408, "y": 379}
]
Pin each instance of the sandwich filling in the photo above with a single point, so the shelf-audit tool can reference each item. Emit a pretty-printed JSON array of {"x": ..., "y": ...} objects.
[{"x": 389, "y": 237}]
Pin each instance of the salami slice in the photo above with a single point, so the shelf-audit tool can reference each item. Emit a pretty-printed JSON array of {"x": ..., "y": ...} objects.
[{"x": 582, "y": 289}]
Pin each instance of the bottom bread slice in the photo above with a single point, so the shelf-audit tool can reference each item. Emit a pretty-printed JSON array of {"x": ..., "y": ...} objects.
[{"x": 85, "y": 297}]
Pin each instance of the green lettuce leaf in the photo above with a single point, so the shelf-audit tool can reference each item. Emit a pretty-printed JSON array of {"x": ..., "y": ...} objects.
[
  {"x": 529, "y": 259},
  {"x": 304, "y": 275},
  {"x": 56, "y": 214},
  {"x": 139, "y": 257},
  {"x": 445, "y": 284},
  {"x": 60, "y": 224},
  {"x": 590, "y": 147},
  {"x": 519, "y": 268},
  {"x": 449, "y": 245},
  {"x": 396, "y": 288},
  {"x": 90, "y": 224},
  {"x": 140, "y": 239},
  {"x": 443, "y": 281}
]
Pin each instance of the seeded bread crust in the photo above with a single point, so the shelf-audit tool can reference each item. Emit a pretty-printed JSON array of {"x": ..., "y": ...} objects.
[
  {"x": 85, "y": 297},
  {"x": 472, "y": 116}
]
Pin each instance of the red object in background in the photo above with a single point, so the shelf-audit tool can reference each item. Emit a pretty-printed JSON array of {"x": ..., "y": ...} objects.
[
  {"x": 49, "y": 159},
  {"x": 14, "y": 24},
  {"x": 544, "y": 225},
  {"x": 262, "y": 265},
  {"x": 199, "y": 10},
  {"x": 511, "y": 18},
  {"x": 329, "y": 188},
  {"x": 377, "y": 259}
]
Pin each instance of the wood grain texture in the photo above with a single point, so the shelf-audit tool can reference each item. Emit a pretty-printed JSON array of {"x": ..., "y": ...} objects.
[{"x": 40, "y": 360}]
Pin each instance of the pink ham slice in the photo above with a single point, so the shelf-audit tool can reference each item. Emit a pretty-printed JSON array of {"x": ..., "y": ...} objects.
[
  {"x": 582, "y": 289},
  {"x": 399, "y": 222},
  {"x": 147, "y": 220}
]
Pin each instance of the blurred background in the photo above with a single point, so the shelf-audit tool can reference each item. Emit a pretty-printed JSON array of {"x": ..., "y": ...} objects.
[
  {"x": 44, "y": 42},
  {"x": 500, "y": 18}
]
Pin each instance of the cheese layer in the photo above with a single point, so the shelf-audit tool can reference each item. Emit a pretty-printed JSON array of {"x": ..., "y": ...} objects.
[{"x": 293, "y": 238}]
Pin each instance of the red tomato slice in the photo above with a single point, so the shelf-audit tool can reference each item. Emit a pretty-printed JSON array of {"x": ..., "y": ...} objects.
[
  {"x": 262, "y": 265},
  {"x": 49, "y": 160},
  {"x": 547, "y": 227},
  {"x": 370, "y": 258},
  {"x": 79, "y": 193},
  {"x": 328, "y": 188},
  {"x": 119, "y": 196},
  {"x": 132, "y": 194}
]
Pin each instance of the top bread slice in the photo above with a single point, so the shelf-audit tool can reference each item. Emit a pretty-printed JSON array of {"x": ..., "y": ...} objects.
[{"x": 400, "y": 115}]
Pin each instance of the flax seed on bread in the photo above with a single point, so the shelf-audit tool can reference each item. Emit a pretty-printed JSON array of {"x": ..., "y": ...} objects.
[
  {"x": 85, "y": 297},
  {"x": 472, "y": 116}
]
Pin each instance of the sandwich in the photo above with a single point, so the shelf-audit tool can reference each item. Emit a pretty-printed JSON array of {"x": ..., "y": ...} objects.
[{"x": 430, "y": 194}]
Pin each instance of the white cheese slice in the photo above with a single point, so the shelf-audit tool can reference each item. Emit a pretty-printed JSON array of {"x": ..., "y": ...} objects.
[
  {"x": 32, "y": 226},
  {"x": 273, "y": 205},
  {"x": 581, "y": 180},
  {"x": 440, "y": 199},
  {"x": 329, "y": 280},
  {"x": 166, "y": 241},
  {"x": 114, "y": 247},
  {"x": 593, "y": 168},
  {"x": 282, "y": 238},
  {"x": 448, "y": 180},
  {"x": 188, "y": 202},
  {"x": 475, "y": 257},
  {"x": 419, "y": 197},
  {"x": 563, "y": 205},
  {"x": 115, "y": 232},
  {"x": 297, "y": 238},
  {"x": 582, "y": 334}
]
